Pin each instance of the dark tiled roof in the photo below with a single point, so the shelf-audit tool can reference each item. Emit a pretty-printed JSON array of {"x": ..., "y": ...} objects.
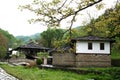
[
  {"x": 66, "y": 49},
  {"x": 32, "y": 45},
  {"x": 91, "y": 38}
]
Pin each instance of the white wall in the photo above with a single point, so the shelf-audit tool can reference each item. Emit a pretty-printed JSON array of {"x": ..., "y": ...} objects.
[
  {"x": 82, "y": 47},
  {"x": 15, "y": 53}
]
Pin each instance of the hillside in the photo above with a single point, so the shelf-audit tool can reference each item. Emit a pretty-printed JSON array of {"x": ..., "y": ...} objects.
[
  {"x": 26, "y": 39},
  {"x": 11, "y": 39}
]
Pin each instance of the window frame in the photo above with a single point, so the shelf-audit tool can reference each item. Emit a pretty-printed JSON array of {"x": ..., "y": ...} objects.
[
  {"x": 90, "y": 46},
  {"x": 102, "y": 46}
]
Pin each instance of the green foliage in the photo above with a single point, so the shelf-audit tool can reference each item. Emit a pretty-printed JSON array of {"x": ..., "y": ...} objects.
[
  {"x": 39, "y": 61},
  {"x": 10, "y": 38},
  {"x": 117, "y": 43},
  {"x": 115, "y": 52},
  {"x": 114, "y": 73},
  {"x": 48, "y": 37},
  {"x": 42, "y": 54},
  {"x": 110, "y": 73},
  {"x": 65, "y": 41},
  {"x": 3, "y": 52},
  {"x": 76, "y": 32},
  {"x": 107, "y": 25},
  {"x": 61, "y": 43},
  {"x": 3, "y": 46}
]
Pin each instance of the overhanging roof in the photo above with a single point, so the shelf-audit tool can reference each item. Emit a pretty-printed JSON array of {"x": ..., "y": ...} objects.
[
  {"x": 92, "y": 38},
  {"x": 32, "y": 45}
]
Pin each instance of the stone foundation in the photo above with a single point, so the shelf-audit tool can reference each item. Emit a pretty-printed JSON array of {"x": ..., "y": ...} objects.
[
  {"x": 81, "y": 60},
  {"x": 89, "y": 60}
]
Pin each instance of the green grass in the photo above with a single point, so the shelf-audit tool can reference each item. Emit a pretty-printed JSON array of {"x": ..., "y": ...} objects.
[
  {"x": 41, "y": 74},
  {"x": 24, "y": 73}
]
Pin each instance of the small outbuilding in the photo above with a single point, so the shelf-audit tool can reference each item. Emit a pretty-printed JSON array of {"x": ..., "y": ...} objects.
[
  {"x": 28, "y": 53},
  {"x": 90, "y": 51},
  {"x": 31, "y": 49}
]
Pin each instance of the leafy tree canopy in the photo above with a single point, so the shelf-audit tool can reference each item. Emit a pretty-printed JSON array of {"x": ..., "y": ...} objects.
[
  {"x": 10, "y": 38},
  {"x": 107, "y": 25},
  {"x": 53, "y": 12},
  {"x": 50, "y": 36}
]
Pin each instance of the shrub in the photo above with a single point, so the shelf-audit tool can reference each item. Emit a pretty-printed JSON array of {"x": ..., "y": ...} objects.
[
  {"x": 38, "y": 61},
  {"x": 2, "y": 52}
]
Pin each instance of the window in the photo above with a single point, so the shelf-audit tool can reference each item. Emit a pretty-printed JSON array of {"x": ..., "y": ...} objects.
[
  {"x": 89, "y": 46},
  {"x": 101, "y": 46}
]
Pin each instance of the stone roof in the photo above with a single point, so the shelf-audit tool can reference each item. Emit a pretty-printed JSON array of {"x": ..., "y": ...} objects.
[{"x": 92, "y": 38}]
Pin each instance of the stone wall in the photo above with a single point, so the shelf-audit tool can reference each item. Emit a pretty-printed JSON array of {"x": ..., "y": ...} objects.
[
  {"x": 64, "y": 59},
  {"x": 93, "y": 60},
  {"x": 81, "y": 60}
]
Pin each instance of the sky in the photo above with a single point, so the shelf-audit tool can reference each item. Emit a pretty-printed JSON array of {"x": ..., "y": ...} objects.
[{"x": 16, "y": 22}]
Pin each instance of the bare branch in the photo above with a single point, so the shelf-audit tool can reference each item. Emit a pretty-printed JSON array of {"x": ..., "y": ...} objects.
[
  {"x": 70, "y": 28},
  {"x": 53, "y": 15},
  {"x": 72, "y": 21},
  {"x": 62, "y": 5},
  {"x": 91, "y": 4},
  {"x": 75, "y": 13}
]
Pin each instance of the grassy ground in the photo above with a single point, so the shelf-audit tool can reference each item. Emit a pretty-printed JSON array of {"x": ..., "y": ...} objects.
[{"x": 25, "y": 73}]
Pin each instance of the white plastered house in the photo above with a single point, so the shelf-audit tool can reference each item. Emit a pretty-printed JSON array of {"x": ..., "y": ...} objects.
[{"x": 90, "y": 51}]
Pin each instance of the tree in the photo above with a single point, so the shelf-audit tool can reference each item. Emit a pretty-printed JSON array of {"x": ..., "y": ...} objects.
[
  {"x": 52, "y": 13},
  {"x": 48, "y": 37},
  {"x": 106, "y": 25},
  {"x": 10, "y": 38},
  {"x": 3, "y": 46}
]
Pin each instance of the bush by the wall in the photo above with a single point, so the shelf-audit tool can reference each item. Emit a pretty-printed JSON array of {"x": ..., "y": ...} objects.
[{"x": 39, "y": 61}]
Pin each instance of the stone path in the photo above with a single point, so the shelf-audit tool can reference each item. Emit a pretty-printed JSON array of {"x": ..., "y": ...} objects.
[{"x": 6, "y": 76}]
